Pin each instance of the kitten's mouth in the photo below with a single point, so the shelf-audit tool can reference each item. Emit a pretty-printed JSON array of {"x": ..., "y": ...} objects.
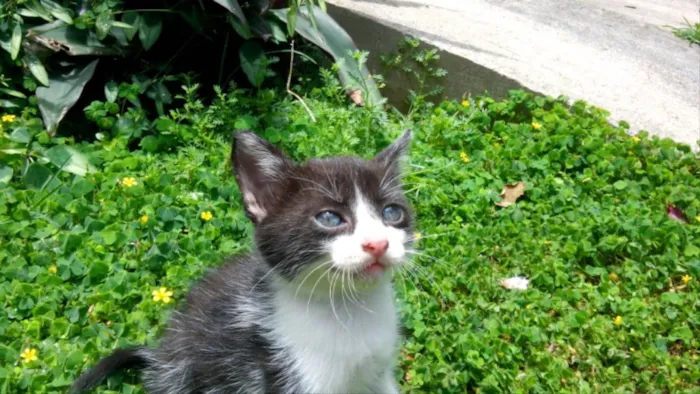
[{"x": 373, "y": 270}]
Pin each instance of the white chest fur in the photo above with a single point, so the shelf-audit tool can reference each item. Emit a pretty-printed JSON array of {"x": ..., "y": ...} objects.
[{"x": 351, "y": 349}]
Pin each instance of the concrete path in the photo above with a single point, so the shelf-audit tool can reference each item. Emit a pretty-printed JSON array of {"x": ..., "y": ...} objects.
[{"x": 615, "y": 54}]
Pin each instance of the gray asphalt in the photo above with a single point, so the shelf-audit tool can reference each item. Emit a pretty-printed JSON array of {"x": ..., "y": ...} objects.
[{"x": 615, "y": 54}]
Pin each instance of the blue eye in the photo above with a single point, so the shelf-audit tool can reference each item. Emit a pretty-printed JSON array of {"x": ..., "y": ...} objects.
[
  {"x": 392, "y": 213},
  {"x": 329, "y": 219}
]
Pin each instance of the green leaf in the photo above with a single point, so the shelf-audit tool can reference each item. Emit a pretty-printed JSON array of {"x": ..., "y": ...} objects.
[
  {"x": 310, "y": 12},
  {"x": 13, "y": 93},
  {"x": 681, "y": 332},
  {"x": 69, "y": 160},
  {"x": 63, "y": 92},
  {"x": 58, "y": 36},
  {"x": 99, "y": 270},
  {"x": 6, "y": 173},
  {"x": 134, "y": 20},
  {"x": 35, "y": 10},
  {"x": 150, "y": 143},
  {"x": 36, "y": 68},
  {"x": 82, "y": 187},
  {"x": 620, "y": 185},
  {"x": 233, "y": 7},
  {"x": 36, "y": 176},
  {"x": 9, "y": 104},
  {"x": 103, "y": 24},
  {"x": 16, "y": 41},
  {"x": 253, "y": 62},
  {"x": 111, "y": 91},
  {"x": 122, "y": 25},
  {"x": 21, "y": 135},
  {"x": 691, "y": 250},
  {"x": 334, "y": 40},
  {"x": 58, "y": 11},
  {"x": 243, "y": 29},
  {"x": 109, "y": 237},
  {"x": 149, "y": 29},
  {"x": 278, "y": 34},
  {"x": 291, "y": 21}
]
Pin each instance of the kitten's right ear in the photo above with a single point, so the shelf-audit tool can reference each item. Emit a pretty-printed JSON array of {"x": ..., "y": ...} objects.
[{"x": 260, "y": 170}]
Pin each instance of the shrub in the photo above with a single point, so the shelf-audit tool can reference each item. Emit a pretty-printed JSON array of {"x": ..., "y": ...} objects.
[{"x": 58, "y": 49}]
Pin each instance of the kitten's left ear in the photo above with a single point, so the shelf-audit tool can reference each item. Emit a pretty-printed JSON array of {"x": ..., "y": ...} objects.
[
  {"x": 260, "y": 170},
  {"x": 391, "y": 156}
]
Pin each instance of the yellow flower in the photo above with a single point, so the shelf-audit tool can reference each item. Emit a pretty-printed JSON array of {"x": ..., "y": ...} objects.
[
  {"x": 465, "y": 103},
  {"x": 697, "y": 218},
  {"x": 53, "y": 269},
  {"x": 129, "y": 181},
  {"x": 536, "y": 125},
  {"x": 206, "y": 216},
  {"x": 162, "y": 294},
  {"x": 618, "y": 320},
  {"x": 686, "y": 278},
  {"x": 417, "y": 236},
  {"x": 632, "y": 349},
  {"x": 613, "y": 276},
  {"x": 144, "y": 219},
  {"x": 29, "y": 355},
  {"x": 636, "y": 139},
  {"x": 9, "y": 118},
  {"x": 464, "y": 157}
]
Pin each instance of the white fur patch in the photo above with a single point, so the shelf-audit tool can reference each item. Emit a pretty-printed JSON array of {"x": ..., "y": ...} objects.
[
  {"x": 337, "y": 347},
  {"x": 346, "y": 250}
]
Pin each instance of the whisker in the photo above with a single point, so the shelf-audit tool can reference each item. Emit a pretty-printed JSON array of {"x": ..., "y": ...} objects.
[
  {"x": 342, "y": 295},
  {"x": 417, "y": 279},
  {"x": 428, "y": 276},
  {"x": 309, "y": 274},
  {"x": 321, "y": 188},
  {"x": 428, "y": 236},
  {"x": 405, "y": 288},
  {"x": 330, "y": 294},
  {"x": 314, "y": 287},
  {"x": 261, "y": 279},
  {"x": 419, "y": 254}
]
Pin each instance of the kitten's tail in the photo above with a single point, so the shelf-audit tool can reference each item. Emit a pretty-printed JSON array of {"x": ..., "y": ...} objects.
[{"x": 136, "y": 358}]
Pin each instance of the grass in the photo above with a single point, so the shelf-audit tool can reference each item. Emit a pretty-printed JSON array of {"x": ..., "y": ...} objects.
[
  {"x": 612, "y": 304},
  {"x": 690, "y": 32}
]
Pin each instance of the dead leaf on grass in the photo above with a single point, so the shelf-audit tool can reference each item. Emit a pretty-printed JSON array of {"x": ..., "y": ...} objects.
[
  {"x": 675, "y": 214},
  {"x": 515, "y": 283},
  {"x": 356, "y": 97},
  {"x": 511, "y": 192}
]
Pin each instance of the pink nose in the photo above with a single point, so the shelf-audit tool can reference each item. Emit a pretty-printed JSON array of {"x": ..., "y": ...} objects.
[{"x": 376, "y": 248}]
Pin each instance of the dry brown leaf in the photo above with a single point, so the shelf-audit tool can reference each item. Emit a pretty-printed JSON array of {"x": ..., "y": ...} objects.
[
  {"x": 511, "y": 192},
  {"x": 356, "y": 97}
]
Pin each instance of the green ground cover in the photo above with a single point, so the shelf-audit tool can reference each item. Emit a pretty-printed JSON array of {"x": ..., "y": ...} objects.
[{"x": 612, "y": 304}]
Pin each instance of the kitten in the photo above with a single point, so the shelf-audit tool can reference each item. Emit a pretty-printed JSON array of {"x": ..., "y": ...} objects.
[{"x": 311, "y": 310}]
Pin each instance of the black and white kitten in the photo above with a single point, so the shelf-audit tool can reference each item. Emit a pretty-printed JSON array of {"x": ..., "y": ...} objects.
[{"x": 312, "y": 309}]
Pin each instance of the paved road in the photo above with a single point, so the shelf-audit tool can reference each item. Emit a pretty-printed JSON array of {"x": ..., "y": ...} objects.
[{"x": 615, "y": 54}]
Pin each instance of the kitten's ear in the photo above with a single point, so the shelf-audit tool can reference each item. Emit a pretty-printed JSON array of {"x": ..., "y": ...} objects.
[
  {"x": 260, "y": 170},
  {"x": 390, "y": 158}
]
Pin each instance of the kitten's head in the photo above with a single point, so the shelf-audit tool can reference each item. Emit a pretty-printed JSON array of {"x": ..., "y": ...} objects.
[{"x": 340, "y": 214}]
